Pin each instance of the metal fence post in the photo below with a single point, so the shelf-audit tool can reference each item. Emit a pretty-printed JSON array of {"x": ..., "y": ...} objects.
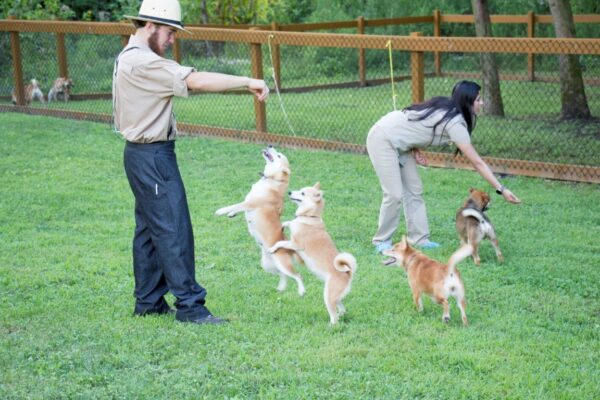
[
  {"x": 362, "y": 66},
  {"x": 257, "y": 72},
  {"x": 276, "y": 58},
  {"x": 15, "y": 47},
  {"x": 531, "y": 34},
  {"x": 437, "y": 32},
  {"x": 417, "y": 73}
]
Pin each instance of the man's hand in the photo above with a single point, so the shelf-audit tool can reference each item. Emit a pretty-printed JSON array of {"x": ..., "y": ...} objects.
[{"x": 259, "y": 88}]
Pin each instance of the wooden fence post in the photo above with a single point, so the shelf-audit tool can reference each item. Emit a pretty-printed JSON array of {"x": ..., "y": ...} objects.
[
  {"x": 437, "y": 32},
  {"x": 417, "y": 73},
  {"x": 177, "y": 51},
  {"x": 276, "y": 58},
  {"x": 257, "y": 72},
  {"x": 15, "y": 48},
  {"x": 362, "y": 66},
  {"x": 531, "y": 34},
  {"x": 61, "y": 53}
]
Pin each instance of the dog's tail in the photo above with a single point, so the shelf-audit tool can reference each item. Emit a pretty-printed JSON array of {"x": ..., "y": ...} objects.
[
  {"x": 345, "y": 262},
  {"x": 459, "y": 255},
  {"x": 471, "y": 212},
  {"x": 478, "y": 215}
]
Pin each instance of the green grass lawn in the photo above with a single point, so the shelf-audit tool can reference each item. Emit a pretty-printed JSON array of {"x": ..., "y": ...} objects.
[{"x": 67, "y": 330}]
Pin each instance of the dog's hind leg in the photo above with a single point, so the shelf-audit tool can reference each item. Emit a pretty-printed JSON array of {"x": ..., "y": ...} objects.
[
  {"x": 474, "y": 241},
  {"x": 461, "y": 302},
  {"x": 331, "y": 303},
  {"x": 285, "y": 267},
  {"x": 494, "y": 240},
  {"x": 444, "y": 302}
]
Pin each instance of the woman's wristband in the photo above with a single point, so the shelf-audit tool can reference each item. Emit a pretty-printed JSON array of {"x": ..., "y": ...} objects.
[{"x": 501, "y": 189}]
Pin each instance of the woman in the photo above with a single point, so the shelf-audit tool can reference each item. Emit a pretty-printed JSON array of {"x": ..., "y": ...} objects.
[{"x": 394, "y": 144}]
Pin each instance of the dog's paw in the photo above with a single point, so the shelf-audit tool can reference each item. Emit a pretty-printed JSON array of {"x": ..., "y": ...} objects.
[{"x": 446, "y": 319}]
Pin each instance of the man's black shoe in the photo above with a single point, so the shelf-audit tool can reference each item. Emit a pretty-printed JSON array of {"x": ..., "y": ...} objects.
[{"x": 209, "y": 319}]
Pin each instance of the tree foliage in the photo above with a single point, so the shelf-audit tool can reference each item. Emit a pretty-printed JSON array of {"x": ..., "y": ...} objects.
[{"x": 281, "y": 11}]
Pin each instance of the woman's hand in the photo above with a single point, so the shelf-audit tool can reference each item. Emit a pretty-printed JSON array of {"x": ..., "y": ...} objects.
[
  {"x": 510, "y": 197},
  {"x": 420, "y": 157}
]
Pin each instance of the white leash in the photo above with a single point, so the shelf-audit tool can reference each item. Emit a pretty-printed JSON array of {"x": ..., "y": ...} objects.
[{"x": 285, "y": 115}]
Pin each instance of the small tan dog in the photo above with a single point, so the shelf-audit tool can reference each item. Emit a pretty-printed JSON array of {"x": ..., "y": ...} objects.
[
  {"x": 310, "y": 240},
  {"x": 427, "y": 276},
  {"x": 472, "y": 225},
  {"x": 62, "y": 87},
  {"x": 263, "y": 207},
  {"x": 32, "y": 92}
]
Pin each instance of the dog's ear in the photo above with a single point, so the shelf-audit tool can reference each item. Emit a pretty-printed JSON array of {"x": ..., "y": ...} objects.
[
  {"x": 471, "y": 189},
  {"x": 318, "y": 195},
  {"x": 403, "y": 242},
  {"x": 317, "y": 186}
]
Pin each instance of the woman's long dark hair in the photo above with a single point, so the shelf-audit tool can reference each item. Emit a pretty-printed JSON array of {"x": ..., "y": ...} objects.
[{"x": 463, "y": 96}]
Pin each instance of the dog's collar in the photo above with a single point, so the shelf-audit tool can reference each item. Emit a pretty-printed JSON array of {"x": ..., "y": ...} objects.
[
  {"x": 476, "y": 209},
  {"x": 262, "y": 175},
  {"x": 471, "y": 204}
]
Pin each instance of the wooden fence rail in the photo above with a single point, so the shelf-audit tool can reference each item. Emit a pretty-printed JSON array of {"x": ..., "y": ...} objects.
[{"x": 415, "y": 44}]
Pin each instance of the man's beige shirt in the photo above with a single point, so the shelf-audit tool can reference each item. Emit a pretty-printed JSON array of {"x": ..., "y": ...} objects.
[{"x": 144, "y": 84}]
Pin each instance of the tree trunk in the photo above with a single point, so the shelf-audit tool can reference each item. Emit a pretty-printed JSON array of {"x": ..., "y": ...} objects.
[
  {"x": 572, "y": 91},
  {"x": 203, "y": 13},
  {"x": 204, "y": 21},
  {"x": 492, "y": 97}
]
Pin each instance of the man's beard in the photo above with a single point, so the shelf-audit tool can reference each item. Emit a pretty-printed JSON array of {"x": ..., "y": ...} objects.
[{"x": 153, "y": 44}]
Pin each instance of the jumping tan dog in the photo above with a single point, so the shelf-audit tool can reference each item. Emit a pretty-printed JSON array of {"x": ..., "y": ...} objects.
[
  {"x": 314, "y": 245},
  {"x": 427, "y": 276},
  {"x": 32, "y": 91},
  {"x": 62, "y": 87},
  {"x": 472, "y": 225},
  {"x": 263, "y": 207}
]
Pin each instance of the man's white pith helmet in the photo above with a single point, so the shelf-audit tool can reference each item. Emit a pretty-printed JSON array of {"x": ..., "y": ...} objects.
[{"x": 166, "y": 12}]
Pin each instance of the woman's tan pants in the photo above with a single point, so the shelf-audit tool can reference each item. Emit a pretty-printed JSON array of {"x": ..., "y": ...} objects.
[{"x": 401, "y": 185}]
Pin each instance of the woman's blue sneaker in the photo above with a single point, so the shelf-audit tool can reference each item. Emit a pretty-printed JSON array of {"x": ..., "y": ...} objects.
[
  {"x": 428, "y": 245},
  {"x": 383, "y": 246}
]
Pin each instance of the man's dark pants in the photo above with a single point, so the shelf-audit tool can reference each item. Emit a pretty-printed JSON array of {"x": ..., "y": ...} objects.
[{"x": 163, "y": 245}]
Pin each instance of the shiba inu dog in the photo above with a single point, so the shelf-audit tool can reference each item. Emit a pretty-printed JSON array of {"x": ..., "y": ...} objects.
[
  {"x": 32, "y": 92},
  {"x": 472, "y": 225},
  {"x": 263, "y": 207},
  {"x": 431, "y": 277},
  {"x": 61, "y": 88},
  {"x": 309, "y": 238}
]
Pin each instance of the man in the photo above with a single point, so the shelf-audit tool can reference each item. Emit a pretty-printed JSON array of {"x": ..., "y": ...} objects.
[{"x": 144, "y": 84}]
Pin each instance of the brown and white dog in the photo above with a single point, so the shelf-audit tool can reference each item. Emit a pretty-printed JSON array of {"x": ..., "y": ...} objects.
[
  {"x": 263, "y": 207},
  {"x": 310, "y": 240},
  {"x": 62, "y": 87},
  {"x": 472, "y": 225},
  {"x": 431, "y": 277},
  {"x": 32, "y": 91}
]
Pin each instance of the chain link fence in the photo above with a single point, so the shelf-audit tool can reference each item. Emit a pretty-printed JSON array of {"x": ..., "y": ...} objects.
[{"x": 328, "y": 89}]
